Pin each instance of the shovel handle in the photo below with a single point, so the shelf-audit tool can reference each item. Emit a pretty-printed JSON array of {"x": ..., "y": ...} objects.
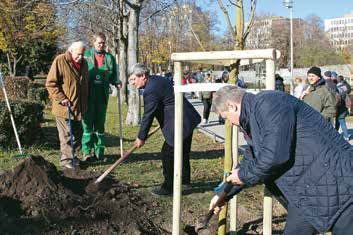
[{"x": 126, "y": 154}]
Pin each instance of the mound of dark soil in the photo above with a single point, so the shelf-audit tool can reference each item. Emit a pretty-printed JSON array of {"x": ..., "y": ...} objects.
[{"x": 35, "y": 198}]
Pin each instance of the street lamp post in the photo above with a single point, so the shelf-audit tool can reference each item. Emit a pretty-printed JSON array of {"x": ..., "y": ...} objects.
[
  {"x": 170, "y": 54},
  {"x": 289, "y": 5}
]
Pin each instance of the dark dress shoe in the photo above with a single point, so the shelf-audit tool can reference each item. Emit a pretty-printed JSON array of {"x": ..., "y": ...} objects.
[{"x": 161, "y": 192}]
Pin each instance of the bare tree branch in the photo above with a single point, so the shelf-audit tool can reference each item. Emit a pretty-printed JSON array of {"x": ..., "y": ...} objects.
[
  {"x": 133, "y": 5},
  {"x": 251, "y": 21},
  {"x": 60, "y": 3},
  {"x": 157, "y": 11},
  {"x": 195, "y": 35},
  {"x": 233, "y": 3},
  {"x": 220, "y": 3}
]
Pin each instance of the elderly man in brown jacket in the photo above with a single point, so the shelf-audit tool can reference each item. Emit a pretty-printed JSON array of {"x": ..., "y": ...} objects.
[{"x": 67, "y": 83}]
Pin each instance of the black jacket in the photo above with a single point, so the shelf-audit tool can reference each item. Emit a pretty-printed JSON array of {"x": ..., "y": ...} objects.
[
  {"x": 159, "y": 102},
  {"x": 295, "y": 147}
]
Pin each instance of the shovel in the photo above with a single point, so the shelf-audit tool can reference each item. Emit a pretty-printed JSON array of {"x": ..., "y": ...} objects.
[
  {"x": 120, "y": 124},
  {"x": 71, "y": 139},
  {"x": 126, "y": 154},
  {"x": 219, "y": 202}
]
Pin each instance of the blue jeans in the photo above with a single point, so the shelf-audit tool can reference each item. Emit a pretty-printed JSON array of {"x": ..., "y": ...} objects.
[{"x": 342, "y": 122}]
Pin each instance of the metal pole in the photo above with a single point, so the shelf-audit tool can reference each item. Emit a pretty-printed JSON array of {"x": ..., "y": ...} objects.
[
  {"x": 11, "y": 116},
  {"x": 120, "y": 124},
  {"x": 291, "y": 52},
  {"x": 178, "y": 150}
]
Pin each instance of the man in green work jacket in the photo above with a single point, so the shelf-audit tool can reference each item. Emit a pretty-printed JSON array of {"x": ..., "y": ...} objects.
[{"x": 102, "y": 71}]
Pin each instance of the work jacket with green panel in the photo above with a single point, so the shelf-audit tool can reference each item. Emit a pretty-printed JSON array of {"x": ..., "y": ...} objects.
[{"x": 110, "y": 71}]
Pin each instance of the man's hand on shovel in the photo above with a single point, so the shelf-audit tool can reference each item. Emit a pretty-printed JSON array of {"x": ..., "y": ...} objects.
[
  {"x": 228, "y": 189},
  {"x": 233, "y": 178},
  {"x": 213, "y": 205},
  {"x": 139, "y": 143}
]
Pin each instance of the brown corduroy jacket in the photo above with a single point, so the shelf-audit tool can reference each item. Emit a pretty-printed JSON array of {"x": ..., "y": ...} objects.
[{"x": 63, "y": 82}]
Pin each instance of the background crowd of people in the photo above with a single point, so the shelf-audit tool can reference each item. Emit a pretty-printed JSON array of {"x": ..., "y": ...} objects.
[{"x": 327, "y": 93}]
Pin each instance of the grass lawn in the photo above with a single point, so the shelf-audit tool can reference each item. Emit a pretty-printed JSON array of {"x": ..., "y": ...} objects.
[{"x": 143, "y": 170}]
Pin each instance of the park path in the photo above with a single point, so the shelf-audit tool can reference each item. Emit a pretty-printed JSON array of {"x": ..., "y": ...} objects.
[{"x": 216, "y": 131}]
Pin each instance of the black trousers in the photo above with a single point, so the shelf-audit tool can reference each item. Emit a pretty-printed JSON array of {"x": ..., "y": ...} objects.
[
  {"x": 206, "y": 107},
  {"x": 296, "y": 223},
  {"x": 168, "y": 163}
]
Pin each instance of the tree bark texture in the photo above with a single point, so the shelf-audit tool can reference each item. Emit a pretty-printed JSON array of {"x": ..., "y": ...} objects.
[{"x": 132, "y": 117}]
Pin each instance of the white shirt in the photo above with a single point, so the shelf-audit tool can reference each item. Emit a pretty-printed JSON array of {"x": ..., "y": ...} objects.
[{"x": 299, "y": 89}]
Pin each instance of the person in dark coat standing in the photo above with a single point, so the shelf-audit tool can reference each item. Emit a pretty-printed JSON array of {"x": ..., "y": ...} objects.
[
  {"x": 159, "y": 103},
  {"x": 329, "y": 82},
  {"x": 293, "y": 149},
  {"x": 279, "y": 84},
  {"x": 206, "y": 98},
  {"x": 342, "y": 112}
]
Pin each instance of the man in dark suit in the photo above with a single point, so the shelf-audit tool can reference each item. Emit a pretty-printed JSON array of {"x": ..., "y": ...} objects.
[{"x": 159, "y": 102}]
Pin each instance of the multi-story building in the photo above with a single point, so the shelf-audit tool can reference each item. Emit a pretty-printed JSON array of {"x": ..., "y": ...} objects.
[
  {"x": 266, "y": 28},
  {"x": 340, "y": 31},
  {"x": 274, "y": 32}
]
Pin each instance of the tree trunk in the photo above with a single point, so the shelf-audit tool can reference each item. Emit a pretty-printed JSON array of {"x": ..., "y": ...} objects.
[
  {"x": 238, "y": 39},
  {"x": 9, "y": 66},
  {"x": 132, "y": 117},
  {"x": 123, "y": 69},
  {"x": 123, "y": 51}
]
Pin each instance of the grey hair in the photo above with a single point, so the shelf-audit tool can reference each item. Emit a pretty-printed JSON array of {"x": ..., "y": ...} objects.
[
  {"x": 78, "y": 44},
  {"x": 99, "y": 35},
  {"x": 225, "y": 94},
  {"x": 138, "y": 69}
]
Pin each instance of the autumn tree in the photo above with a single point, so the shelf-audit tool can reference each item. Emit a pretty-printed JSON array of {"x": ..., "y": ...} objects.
[
  {"x": 183, "y": 26},
  {"x": 28, "y": 33}
]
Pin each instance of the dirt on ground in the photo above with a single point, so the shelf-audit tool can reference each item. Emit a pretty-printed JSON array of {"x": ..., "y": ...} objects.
[{"x": 36, "y": 198}]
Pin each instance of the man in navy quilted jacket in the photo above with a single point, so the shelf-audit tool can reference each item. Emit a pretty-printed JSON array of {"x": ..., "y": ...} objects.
[
  {"x": 297, "y": 154},
  {"x": 158, "y": 99}
]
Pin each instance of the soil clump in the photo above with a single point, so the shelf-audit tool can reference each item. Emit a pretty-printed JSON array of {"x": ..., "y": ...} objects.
[{"x": 36, "y": 198}]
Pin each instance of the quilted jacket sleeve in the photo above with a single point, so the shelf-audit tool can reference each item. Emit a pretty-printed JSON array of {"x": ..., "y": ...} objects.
[{"x": 276, "y": 124}]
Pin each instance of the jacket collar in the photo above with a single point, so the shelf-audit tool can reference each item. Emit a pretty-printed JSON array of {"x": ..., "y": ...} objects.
[
  {"x": 320, "y": 82},
  {"x": 68, "y": 58},
  {"x": 98, "y": 52},
  {"x": 245, "y": 111}
]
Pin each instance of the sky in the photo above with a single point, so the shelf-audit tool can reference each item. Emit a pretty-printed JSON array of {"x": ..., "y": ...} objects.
[{"x": 325, "y": 9}]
